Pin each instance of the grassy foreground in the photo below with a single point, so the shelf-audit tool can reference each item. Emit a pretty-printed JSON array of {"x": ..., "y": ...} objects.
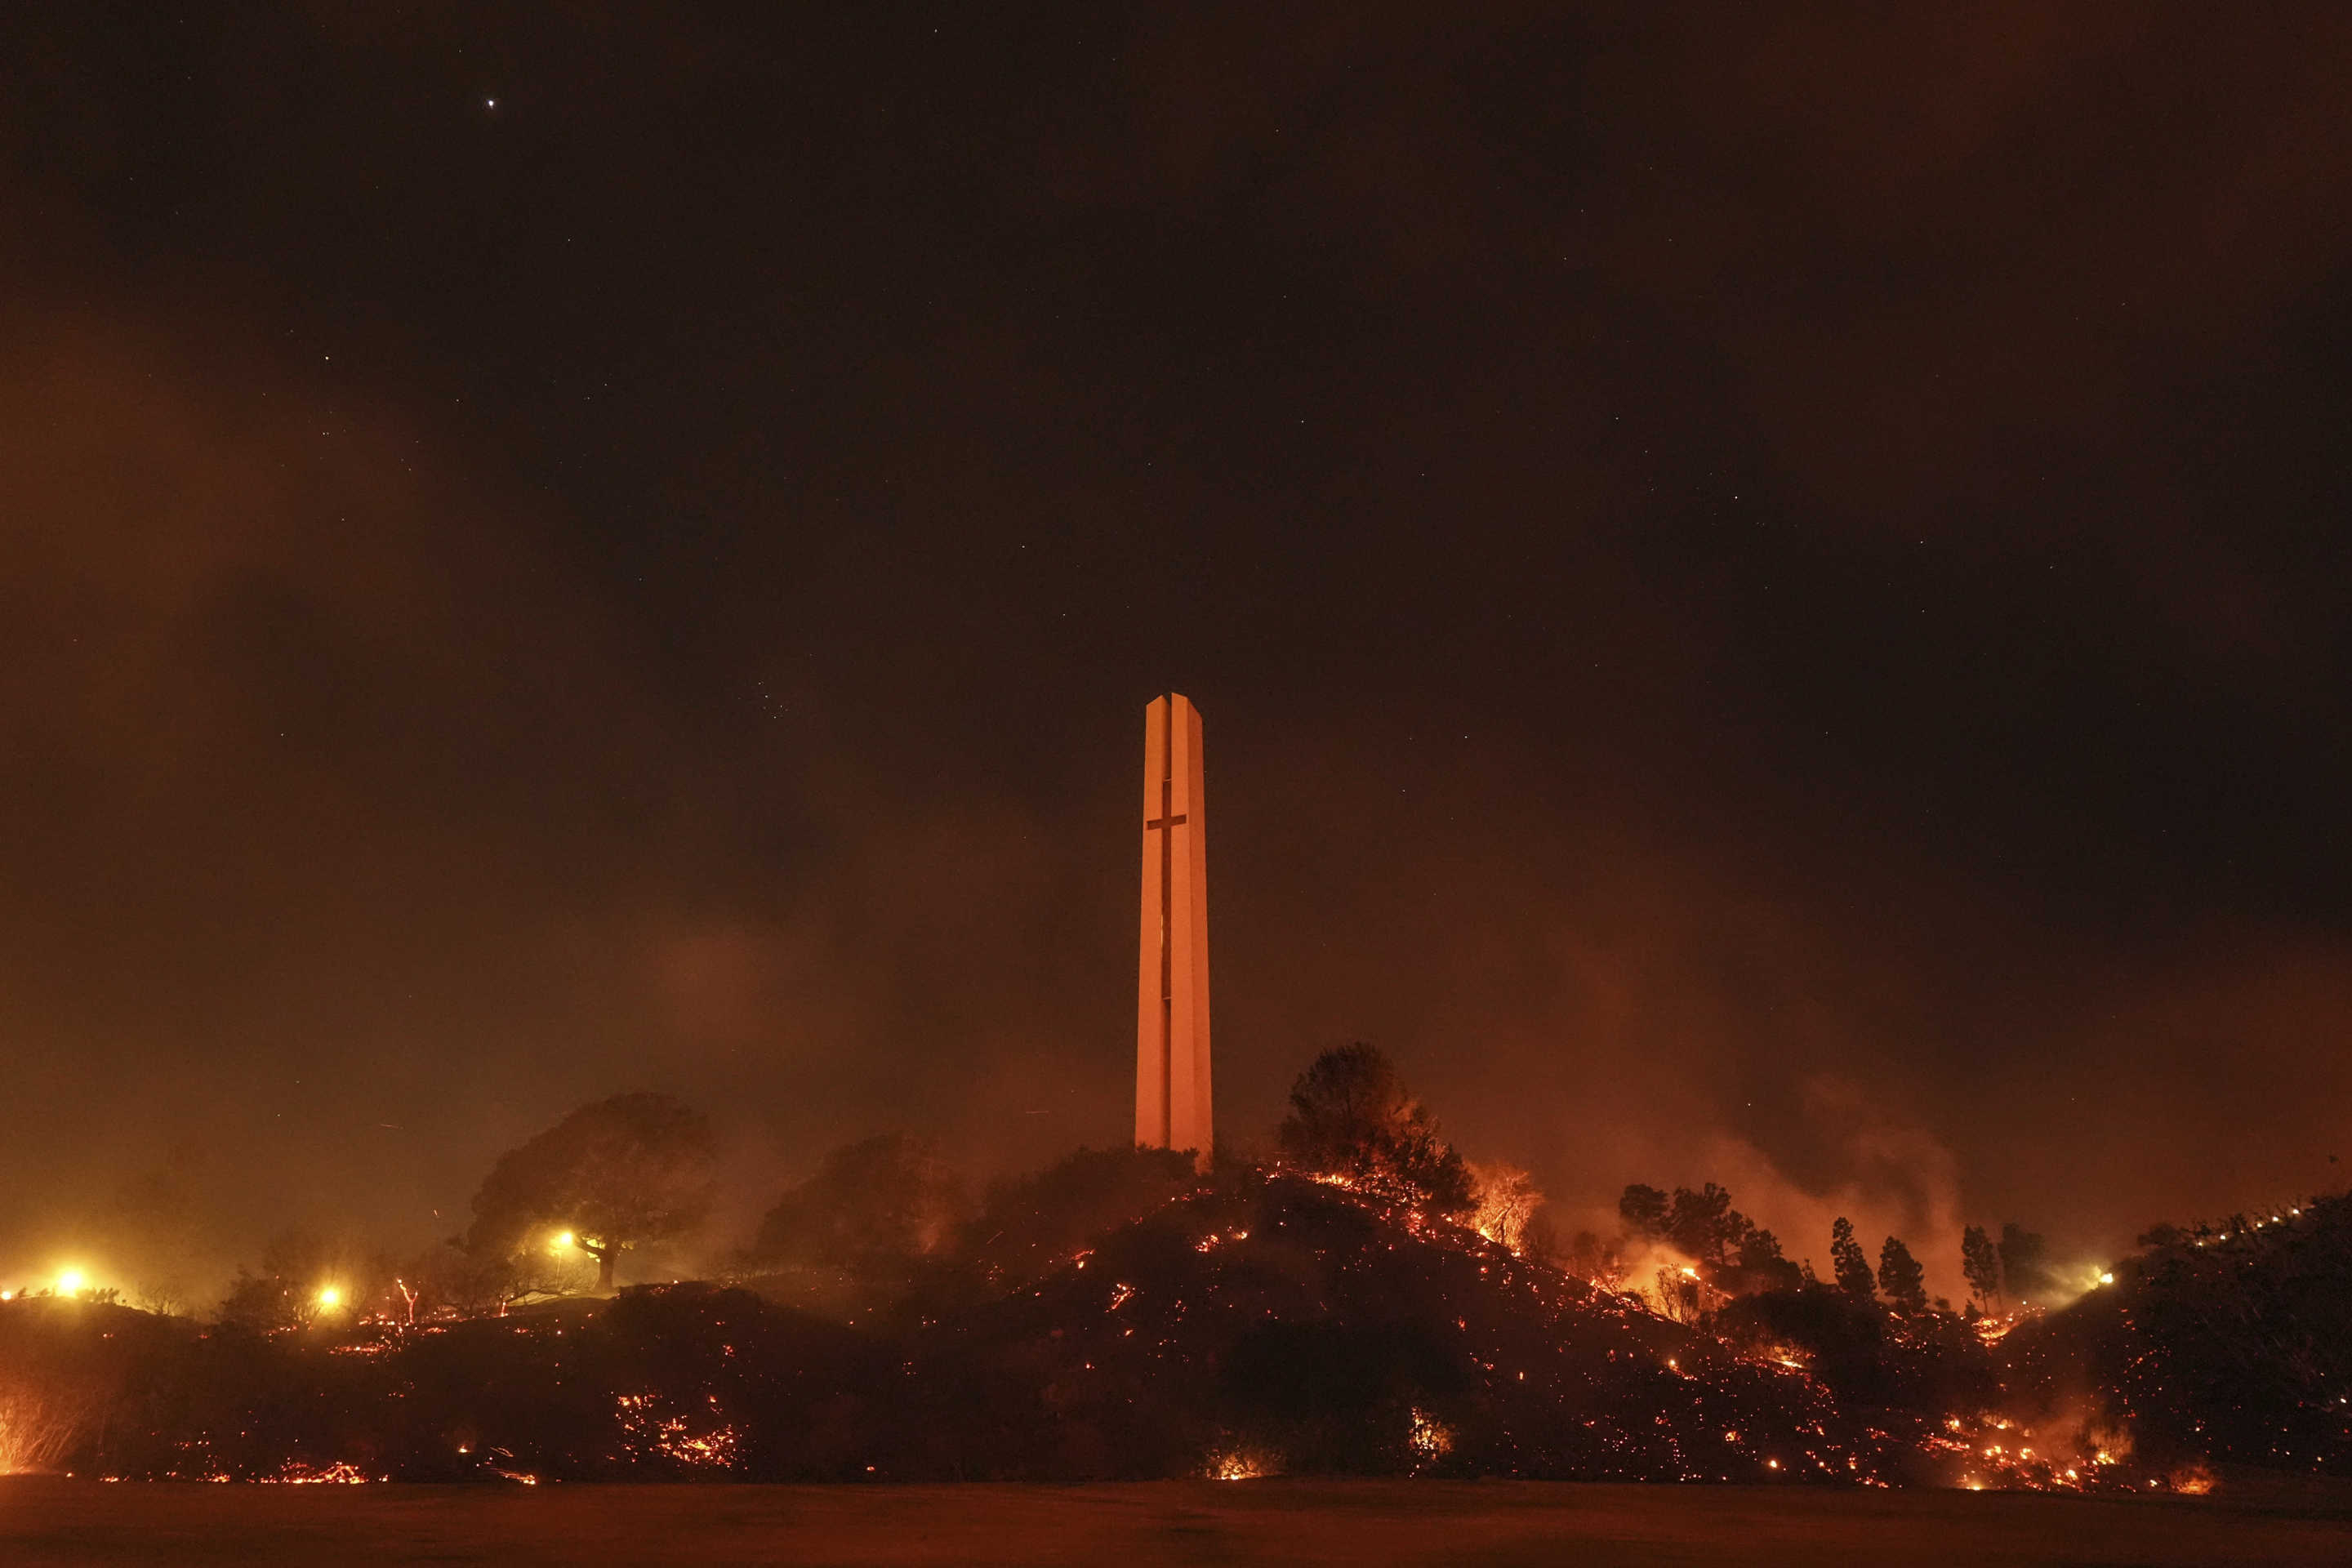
[{"x": 54, "y": 1520}]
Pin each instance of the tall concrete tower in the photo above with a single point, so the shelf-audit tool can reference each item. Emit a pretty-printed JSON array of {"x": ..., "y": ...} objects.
[{"x": 1172, "y": 1014}]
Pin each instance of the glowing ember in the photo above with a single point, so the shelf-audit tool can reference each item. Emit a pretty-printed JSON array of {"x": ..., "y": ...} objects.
[
  {"x": 697, "y": 1437},
  {"x": 2193, "y": 1481},
  {"x": 1993, "y": 1329},
  {"x": 1241, "y": 1464},
  {"x": 341, "y": 1474}
]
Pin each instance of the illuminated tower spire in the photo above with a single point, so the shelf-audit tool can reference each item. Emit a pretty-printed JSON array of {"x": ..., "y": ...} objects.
[{"x": 1172, "y": 1019}]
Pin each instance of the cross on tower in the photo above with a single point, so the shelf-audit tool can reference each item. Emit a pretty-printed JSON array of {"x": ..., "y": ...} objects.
[{"x": 1172, "y": 1049}]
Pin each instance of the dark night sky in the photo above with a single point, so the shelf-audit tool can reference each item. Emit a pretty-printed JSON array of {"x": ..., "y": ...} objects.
[{"x": 1770, "y": 593}]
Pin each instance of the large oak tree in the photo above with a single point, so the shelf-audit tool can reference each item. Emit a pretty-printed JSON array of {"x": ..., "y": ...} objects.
[{"x": 615, "y": 1174}]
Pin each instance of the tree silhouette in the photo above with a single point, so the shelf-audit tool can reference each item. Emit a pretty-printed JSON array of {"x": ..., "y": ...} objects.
[
  {"x": 1029, "y": 1224},
  {"x": 615, "y": 1174},
  {"x": 1760, "y": 1265},
  {"x": 2025, "y": 1264},
  {"x": 1849, "y": 1263},
  {"x": 1644, "y": 1210},
  {"x": 1733, "y": 1253},
  {"x": 297, "y": 1266},
  {"x": 1980, "y": 1261},
  {"x": 878, "y": 1204},
  {"x": 1900, "y": 1277},
  {"x": 1353, "y": 1118},
  {"x": 1705, "y": 1225}
]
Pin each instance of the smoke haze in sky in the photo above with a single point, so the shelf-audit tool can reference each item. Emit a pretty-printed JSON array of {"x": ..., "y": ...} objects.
[{"x": 1768, "y": 599}]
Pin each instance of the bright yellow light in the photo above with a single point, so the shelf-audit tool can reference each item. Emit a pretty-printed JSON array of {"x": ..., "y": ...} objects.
[
  {"x": 70, "y": 1282},
  {"x": 562, "y": 1239},
  {"x": 331, "y": 1298},
  {"x": 2106, "y": 1278}
]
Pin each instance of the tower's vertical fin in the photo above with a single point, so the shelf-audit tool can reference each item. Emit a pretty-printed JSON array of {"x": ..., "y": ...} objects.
[{"x": 1189, "y": 919}]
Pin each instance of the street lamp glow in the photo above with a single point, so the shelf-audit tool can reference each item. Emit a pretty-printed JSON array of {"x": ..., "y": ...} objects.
[
  {"x": 329, "y": 1298},
  {"x": 562, "y": 1239}
]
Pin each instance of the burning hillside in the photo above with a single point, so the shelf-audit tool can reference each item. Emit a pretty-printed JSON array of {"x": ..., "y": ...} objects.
[
  {"x": 1257, "y": 1324},
  {"x": 2230, "y": 1341},
  {"x": 1370, "y": 1305},
  {"x": 1288, "y": 1324}
]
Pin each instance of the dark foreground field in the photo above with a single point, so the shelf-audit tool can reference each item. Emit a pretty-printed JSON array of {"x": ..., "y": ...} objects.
[{"x": 63, "y": 1522}]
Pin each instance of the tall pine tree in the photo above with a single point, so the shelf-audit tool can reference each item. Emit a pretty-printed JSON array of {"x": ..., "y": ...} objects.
[
  {"x": 1900, "y": 1277},
  {"x": 1980, "y": 1261},
  {"x": 1849, "y": 1262}
]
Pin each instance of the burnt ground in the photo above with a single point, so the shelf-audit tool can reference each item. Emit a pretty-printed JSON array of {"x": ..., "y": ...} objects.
[{"x": 50, "y": 1520}]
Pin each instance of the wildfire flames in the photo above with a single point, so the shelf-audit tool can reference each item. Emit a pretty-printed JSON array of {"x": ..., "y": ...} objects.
[
  {"x": 38, "y": 1430},
  {"x": 339, "y": 1474},
  {"x": 1263, "y": 1302},
  {"x": 1240, "y": 1464},
  {"x": 698, "y": 1438}
]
